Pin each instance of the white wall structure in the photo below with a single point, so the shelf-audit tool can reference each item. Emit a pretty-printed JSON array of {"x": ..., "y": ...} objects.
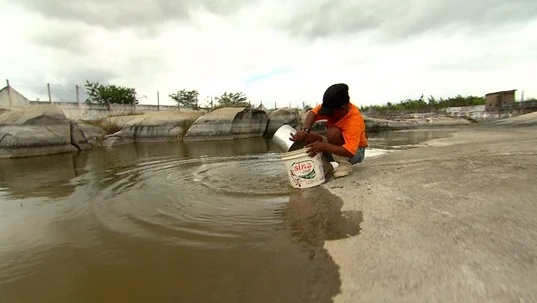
[
  {"x": 10, "y": 98},
  {"x": 83, "y": 111}
]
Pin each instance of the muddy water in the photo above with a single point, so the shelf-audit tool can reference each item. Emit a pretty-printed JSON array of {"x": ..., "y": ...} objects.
[{"x": 180, "y": 222}]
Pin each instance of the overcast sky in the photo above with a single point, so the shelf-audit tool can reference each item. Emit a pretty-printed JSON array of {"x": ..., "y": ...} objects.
[{"x": 273, "y": 51}]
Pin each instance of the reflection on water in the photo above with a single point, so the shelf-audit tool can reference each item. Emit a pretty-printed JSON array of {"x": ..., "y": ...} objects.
[
  {"x": 41, "y": 176},
  {"x": 166, "y": 222},
  {"x": 405, "y": 139},
  {"x": 315, "y": 215}
]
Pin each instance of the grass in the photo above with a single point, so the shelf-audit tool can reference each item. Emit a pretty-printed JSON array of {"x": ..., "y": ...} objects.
[
  {"x": 129, "y": 113},
  {"x": 105, "y": 124},
  {"x": 186, "y": 126}
]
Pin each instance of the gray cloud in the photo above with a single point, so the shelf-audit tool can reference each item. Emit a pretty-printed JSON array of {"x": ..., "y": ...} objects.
[
  {"x": 324, "y": 18},
  {"x": 66, "y": 38},
  {"x": 124, "y": 13},
  {"x": 107, "y": 13},
  {"x": 80, "y": 75},
  {"x": 478, "y": 14},
  {"x": 402, "y": 18},
  {"x": 145, "y": 66},
  {"x": 488, "y": 60},
  {"x": 310, "y": 19},
  {"x": 142, "y": 61}
]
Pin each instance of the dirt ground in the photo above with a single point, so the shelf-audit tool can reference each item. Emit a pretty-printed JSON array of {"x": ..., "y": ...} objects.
[{"x": 454, "y": 220}]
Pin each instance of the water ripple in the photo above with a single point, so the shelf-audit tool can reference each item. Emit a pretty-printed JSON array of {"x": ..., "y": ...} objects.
[
  {"x": 250, "y": 176},
  {"x": 208, "y": 201}
]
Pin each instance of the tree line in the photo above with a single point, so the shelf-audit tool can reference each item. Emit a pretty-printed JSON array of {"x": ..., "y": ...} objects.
[
  {"x": 111, "y": 94},
  {"x": 430, "y": 104}
]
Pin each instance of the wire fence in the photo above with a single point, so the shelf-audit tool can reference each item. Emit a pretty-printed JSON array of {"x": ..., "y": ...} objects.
[
  {"x": 76, "y": 93},
  {"x": 51, "y": 92}
]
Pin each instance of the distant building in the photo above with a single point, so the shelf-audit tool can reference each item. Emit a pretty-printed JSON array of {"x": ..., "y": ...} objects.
[{"x": 494, "y": 101}]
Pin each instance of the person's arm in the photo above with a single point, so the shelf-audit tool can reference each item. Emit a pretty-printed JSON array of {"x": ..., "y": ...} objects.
[
  {"x": 303, "y": 134},
  {"x": 310, "y": 119},
  {"x": 319, "y": 146}
]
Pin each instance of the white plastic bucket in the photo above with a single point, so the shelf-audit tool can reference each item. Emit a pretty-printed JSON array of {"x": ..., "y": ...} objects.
[{"x": 303, "y": 171}]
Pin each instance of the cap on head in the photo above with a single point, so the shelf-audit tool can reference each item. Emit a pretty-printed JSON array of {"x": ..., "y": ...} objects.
[{"x": 334, "y": 97}]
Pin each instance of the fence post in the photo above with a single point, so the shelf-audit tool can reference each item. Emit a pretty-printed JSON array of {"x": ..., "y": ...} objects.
[
  {"x": 49, "y": 95},
  {"x": 158, "y": 101},
  {"x": 77, "y": 88},
  {"x": 9, "y": 93}
]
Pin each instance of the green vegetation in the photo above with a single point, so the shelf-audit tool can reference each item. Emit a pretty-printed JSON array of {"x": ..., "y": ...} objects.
[
  {"x": 189, "y": 99},
  {"x": 430, "y": 104},
  {"x": 186, "y": 98},
  {"x": 110, "y": 94},
  {"x": 233, "y": 100}
]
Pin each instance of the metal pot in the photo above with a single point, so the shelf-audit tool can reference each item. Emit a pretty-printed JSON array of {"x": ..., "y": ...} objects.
[{"x": 281, "y": 139}]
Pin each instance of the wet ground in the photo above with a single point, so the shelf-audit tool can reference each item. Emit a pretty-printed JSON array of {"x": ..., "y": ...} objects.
[
  {"x": 452, "y": 221},
  {"x": 179, "y": 222}
]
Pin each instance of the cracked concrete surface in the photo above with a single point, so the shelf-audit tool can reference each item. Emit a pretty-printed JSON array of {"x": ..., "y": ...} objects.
[{"x": 454, "y": 220}]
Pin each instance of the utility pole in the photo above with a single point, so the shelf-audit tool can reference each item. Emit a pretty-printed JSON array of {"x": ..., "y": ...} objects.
[
  {"x": 49, "y": 95},
  {"x": 9, "y": 93},
  {"x": 158, "y": 100},
  {"x": 77, "y": 89}
]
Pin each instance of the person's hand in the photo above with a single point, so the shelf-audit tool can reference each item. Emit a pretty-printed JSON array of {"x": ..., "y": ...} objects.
[
  {"x": 299, "y": 136},
  {"x": 316, "y": 147}
]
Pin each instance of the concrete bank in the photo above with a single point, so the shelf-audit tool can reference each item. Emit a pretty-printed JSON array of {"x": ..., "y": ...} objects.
[{"x": 451, "y": 221}]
